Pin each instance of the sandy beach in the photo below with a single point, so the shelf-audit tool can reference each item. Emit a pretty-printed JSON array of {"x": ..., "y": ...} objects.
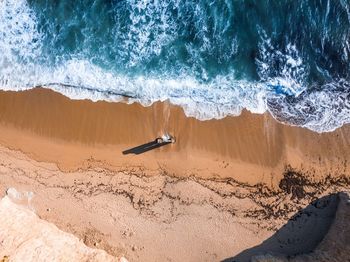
[
  {"x": 249, "y": 148},
  {"x": 225, "y": 186}
]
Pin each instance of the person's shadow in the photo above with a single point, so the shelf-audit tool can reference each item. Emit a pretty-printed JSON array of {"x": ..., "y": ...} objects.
[
  {"x": 302, "y": 233},
  {"x": 158, "y": 142}
]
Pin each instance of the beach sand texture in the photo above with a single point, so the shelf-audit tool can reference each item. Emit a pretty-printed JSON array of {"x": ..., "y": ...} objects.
[{"x": 164, "y": 218}]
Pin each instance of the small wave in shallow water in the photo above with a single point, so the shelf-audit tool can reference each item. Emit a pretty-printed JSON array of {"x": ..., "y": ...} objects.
[{"x": 211, "y": 58}]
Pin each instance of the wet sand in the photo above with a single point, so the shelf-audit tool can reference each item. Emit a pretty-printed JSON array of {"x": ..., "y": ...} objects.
[{"x": 249, "y": 148}]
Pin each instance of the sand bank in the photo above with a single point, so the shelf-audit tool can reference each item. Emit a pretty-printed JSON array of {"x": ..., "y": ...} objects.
[{"x": 250, "y": 148}]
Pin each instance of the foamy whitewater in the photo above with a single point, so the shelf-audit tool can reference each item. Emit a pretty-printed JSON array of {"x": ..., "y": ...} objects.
[{"x": 212, "y": 58}]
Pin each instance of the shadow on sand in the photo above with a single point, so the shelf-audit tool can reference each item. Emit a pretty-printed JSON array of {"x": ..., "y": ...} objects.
[
  {"x": 146, "y": 147},
  {"x": 302, "y": 233}
]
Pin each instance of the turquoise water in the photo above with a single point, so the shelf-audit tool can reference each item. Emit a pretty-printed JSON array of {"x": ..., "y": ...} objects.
[{"x": 213, "y": 58}]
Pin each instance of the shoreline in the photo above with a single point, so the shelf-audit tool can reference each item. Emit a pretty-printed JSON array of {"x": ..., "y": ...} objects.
[{"x": 250, "y": 148}]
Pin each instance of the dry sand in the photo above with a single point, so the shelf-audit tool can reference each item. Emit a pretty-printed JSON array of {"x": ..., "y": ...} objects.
[
  {"x": 223, "y": 188},
  {"x": 163, "y": 218},
  {"x": 25, "y": 237}
]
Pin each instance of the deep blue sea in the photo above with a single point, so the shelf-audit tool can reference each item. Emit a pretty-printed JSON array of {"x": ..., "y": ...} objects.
[{"x": 212, "y": 58}]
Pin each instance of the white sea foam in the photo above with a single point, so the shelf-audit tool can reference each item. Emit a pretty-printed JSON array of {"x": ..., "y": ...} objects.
[
  {"x": 150, "y": 28},
  {"x": 281, "y": 67},
  {"x": 221, "y": 97},
  {"x": 321, "y": 111}
]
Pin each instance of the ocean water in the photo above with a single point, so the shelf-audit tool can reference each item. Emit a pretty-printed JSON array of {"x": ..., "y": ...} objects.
[{"x": 213, "y": 58}]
